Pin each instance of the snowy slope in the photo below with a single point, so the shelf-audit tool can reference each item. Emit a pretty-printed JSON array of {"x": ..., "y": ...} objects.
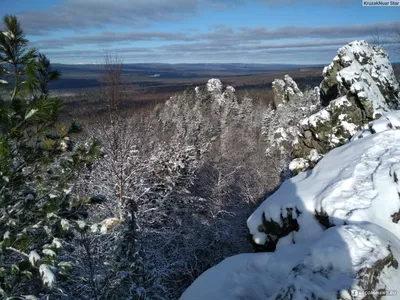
[
  {"x": 327, "y": 268},
  {"x": 352, "y": 245},
  {"x": 353, "y": 183}
]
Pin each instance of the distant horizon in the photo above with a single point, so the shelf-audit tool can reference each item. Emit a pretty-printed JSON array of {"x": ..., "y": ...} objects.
[
  {"x": 193, "y": 63},
  {"x": 203, "y": 63}
]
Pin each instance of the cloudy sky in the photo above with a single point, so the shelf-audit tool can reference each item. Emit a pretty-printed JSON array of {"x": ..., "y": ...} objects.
[{"x": 207, "y": 31}]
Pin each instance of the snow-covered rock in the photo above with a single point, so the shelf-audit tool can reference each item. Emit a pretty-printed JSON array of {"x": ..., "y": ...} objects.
[
  {"x": 302, "y": 164},
  {"x": 350, "y": 184},
  {"x": 285, "y": 89},
  {"x": 358, "y": 86},
  {"x": 337, "y": 266},
  {"x": 345, "y": 262},
  {"x": 215, "y": 88},
  {"x": 333, "y": 231},
  {"x": 362, "y": 73},
  {"x": 328, "y": 128},
  {"x": 387, "y": 121},
  {"x": 281, "y": 130}
]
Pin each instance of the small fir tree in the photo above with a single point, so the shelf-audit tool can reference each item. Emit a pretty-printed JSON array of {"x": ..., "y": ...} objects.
[{"x": 38, "y": 165}]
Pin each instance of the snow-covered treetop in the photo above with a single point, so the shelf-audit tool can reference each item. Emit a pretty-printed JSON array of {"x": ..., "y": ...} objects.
[
  {"x": 214, "y": 85},
  {"x": 215, "y": 88}
]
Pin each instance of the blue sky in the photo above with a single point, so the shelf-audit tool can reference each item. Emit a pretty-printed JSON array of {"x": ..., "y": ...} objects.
[{"x": 208, "y": 31}]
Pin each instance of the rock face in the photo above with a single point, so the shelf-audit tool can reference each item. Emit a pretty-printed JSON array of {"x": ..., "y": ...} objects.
[
  {"x": 327, "y": 129},
  {"x": 285, "y": 90},
  {"x": 359, "y": 86},
  {"x": 364, "y": 75}
]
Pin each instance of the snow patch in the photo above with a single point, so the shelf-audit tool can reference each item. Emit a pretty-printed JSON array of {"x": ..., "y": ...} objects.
[{"x": 48, "y": 277}]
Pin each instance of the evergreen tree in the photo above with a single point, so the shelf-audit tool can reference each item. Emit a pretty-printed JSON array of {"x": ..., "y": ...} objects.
[{"x": 38, "y": 165}]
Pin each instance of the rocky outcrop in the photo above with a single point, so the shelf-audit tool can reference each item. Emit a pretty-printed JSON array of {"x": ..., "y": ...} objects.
[
  {"x": 359, "y": 86},
  {"x": 195, "y": 115},
  {"x": 348, "y": 188},
  {"x": 365, "y": 76},
  {"x": 285, "y": 90},
  {"x": 280, "y": 124},
  {"x": 325, "y": 130}
]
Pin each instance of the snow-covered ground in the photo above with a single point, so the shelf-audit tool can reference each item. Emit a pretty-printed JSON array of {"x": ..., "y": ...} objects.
[{"x": 355, "y": 190}]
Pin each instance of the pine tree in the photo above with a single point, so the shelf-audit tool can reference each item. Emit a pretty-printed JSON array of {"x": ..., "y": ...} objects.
[{"x": 38, "y": 165}]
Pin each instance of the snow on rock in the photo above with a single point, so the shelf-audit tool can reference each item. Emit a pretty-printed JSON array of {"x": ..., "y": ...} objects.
[
  {"x": 390, "y": 120},
  {"x": 328, "y": 128},
  {"x": 301, "y": 164},
  {"x": 364, "y": 73},
  {"x": 358, "y": 86},
  {"x": 215, "y": 88},
  {"x": 360, "y": 134},
  {"x": 246, "y": 276},
  {"x": 285, "y": 89},
  {"x": 281, "y": 129},
  {"x": 350, "y": 184},
  {"x": 345, "y": 258},
  {"x": 330, "y": 232},
  {"x": 387, "y": 121}
]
